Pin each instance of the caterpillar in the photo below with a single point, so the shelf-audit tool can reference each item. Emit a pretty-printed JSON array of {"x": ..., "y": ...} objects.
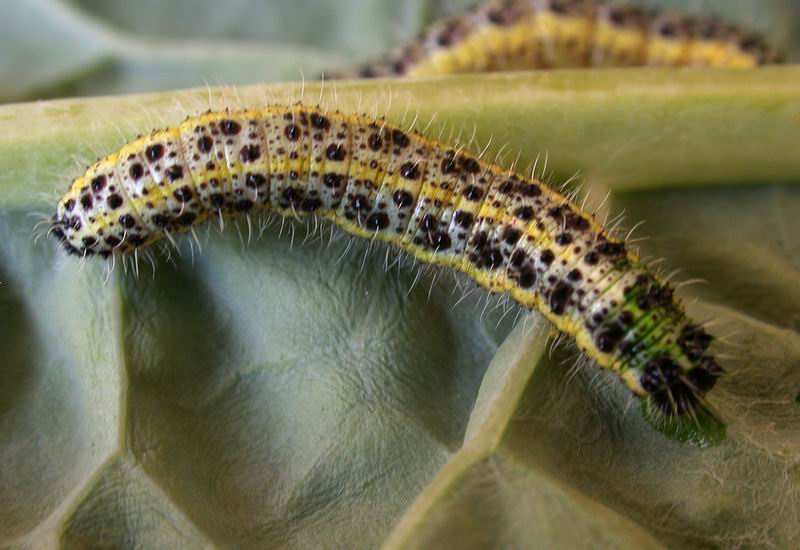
[
  {"x": 511, "y": 234},
  {"x": 506, "y": 35}
]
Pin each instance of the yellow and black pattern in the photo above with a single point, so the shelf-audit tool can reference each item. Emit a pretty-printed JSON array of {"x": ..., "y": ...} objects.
[
  {"x": 507, "y": 35},
  {"x": 509, "y": 233}
]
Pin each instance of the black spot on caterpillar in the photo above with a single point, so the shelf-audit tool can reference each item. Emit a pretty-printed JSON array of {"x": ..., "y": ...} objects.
[
  {"x": 506, "y": 35},
  {"x": 511, "y": 234}
]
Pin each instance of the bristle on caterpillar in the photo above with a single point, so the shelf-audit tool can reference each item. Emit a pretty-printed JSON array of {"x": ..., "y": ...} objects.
[
  {"x": 507, "y": 35},
  {"x": 512, "y": 234}
]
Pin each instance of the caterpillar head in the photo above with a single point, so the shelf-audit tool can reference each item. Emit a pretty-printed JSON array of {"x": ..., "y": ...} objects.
[
  {"x": 676, "y": 386},
  {"x": 663, "y": 357},
  {"x": 674, "y": 389}
]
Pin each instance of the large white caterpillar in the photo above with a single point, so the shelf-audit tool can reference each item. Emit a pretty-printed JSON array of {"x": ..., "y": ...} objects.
[
  {"x": 509, "y": 233},
  {"x": 504, "y": 35}
]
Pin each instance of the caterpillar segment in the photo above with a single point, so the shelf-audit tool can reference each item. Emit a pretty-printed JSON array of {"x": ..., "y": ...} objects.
[{"x": 510, "y": 233}]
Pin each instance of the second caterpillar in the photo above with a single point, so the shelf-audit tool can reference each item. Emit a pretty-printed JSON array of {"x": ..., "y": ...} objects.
[{"x": 508, "y": 35}]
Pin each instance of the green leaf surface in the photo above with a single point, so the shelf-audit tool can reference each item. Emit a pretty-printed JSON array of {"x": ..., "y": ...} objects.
[{"x": 284, "y": 393}]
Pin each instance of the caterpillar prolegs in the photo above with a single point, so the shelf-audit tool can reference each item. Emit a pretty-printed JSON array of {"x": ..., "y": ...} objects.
[
  {"x": 446, "y": 207},
  {"x": 505, "y": 35}
]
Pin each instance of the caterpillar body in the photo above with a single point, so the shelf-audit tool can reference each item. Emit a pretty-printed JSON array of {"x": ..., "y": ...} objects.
[
  {"x": 511, "y": 234},
  {"x": 505, "y": 35}
]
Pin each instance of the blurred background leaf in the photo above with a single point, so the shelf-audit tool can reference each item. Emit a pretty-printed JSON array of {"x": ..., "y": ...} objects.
[{"x": 277, "y": 395}]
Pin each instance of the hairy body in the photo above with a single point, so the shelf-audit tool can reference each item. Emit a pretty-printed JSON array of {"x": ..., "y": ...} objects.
[{"x": 510, "y": 233}]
